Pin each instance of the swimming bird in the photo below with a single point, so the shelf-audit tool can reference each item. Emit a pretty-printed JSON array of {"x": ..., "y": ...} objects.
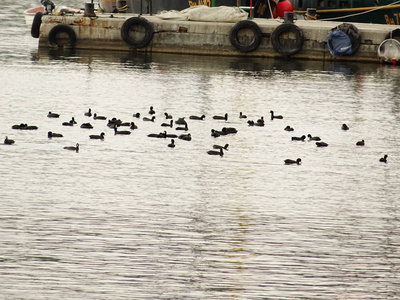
[
  {"x": 96, "y": 117},
  {"x": 292, "y": 162},
  {"x": 158, "y": 135},
  {"x": 273, "y": 116},
  {"x": 125, "y": 124},
  {"x": 136, "y": 115},
  {"x": 384, "y": 158},
  {"x": 288, "y": 128},
  {"x": 242, "y": 116},
  {"x": 151, "y": 111},
  {"x": 114, "y": 122},
  {"x": 180, "y": 121},
  {"x": 202, "y": 117},
  {"x": 52, "y": 115},
  {"x": 121, "y": 132},
  {"x": 73, "y": 148},
  {"x": 170, "y": 124},
  {"x": 52, "y": 134},
  {"x": 215, "y": 133},
  {"x": 360, "y": 143},
  {"x": 225, "y": 117},
  {"x": 8, "y": 141},
  {"x": 149, "y": 119},
  {"x": 97, "y": 136},
  {"x": 172, "y": 144},
  {"x": 225, "y": 147},
  {"x": 167, "y": 116},
  {"x": 88, "y": 113},
  {"x": 18, "y": 126},
  {"x": 215, "y": 152},
  {"x": 29, "y": 127},
  {"x": 313, "y": 138},
  {"x": 229, "y": 130},
  {"x": 345, "y": 127},
  {"x": 86, "y": 126},
  {"x": 301, "y": 138},
  {"x": 70, "y": 123},
  {"x": 182, "y": 127},
  {"x": 321, "y": 144},
  {"x": 185, "y": 137},
  {"x": 133, "y": 126},
  {"x": 260, "y": 122}
]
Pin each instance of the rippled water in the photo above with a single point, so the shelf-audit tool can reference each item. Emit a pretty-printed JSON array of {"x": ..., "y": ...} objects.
[{"x": 130, "y": 218}]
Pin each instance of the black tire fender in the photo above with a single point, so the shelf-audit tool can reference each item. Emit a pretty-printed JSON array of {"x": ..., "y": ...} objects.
[
  {"x": 234, "y": 39},
  {"x": 62, "y": 28},
  {"x": 139, "y": 22},
  {"x": 35, "y": 27},
  {"x": 282, "y": 49}
]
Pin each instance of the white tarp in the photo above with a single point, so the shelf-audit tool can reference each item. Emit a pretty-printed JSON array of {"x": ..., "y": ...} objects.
[{"x": 205, "y": 14}]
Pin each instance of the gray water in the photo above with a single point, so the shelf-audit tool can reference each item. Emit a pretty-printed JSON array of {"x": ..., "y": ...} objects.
[{"x": 130, "y": 218}]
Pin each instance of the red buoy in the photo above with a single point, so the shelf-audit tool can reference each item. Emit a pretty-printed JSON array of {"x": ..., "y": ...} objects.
[{"x": 281, "y": 7}]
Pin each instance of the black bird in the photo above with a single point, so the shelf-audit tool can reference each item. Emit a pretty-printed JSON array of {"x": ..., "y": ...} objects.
[
  {"x": 96, "y": 117},
  {"x": 221, "y": 147},
  {"x": 97, "y": 137},
  {"x": 73, "y": 148},
  {"x": 52, "y": 115},
  {"x": 215, "y": 133},
  {"x": 172, "y": 144},
  {"x": 86, "y": 125},
  {"x": 18, "y": 126},
  {"x": 292, "y": 162},
  {"x": 185, "y": 137},
  {"x": 384, "y": 158},
  {"x": 8, "y": 141},
  {"x": 170, "y": 124},
  {"x": 149, "y": 119},
  {"x": 296, "y": 138},
  {"x": 288, "y": 128},
  {"x": 274, "y": 116},
  {"x": 70, "y": 123},
  {"x": 137, "y": 115},
  {"x": 116, "y": 131},
  {"x": 180, "y": 121},
  {"x": 225, "y": 117},
  {"x": 29, "y": 127},
  {"x": 158, "y": 135},
  {"x": 185, "y": 127},
  {"x": 215, "y": 152},
  {"x": 88, "y": 113},
  {"x": 133, "y": 126},
  {"x": 228, "y": 130},
  {"x": 167, "y": 116},
  {"x": 242, "y": 116},
  {"x": 48, "y": 6},
  {"x": 202, "y": 117},
  {"x": 313, "y": 138},
  {"x": 151, "y": 111},
  {"x": 360, "y": 143},
  {"x": 321, "y": 144},
  {"x": 345, "y": 127},
  {"x": 52, "y": 134}
]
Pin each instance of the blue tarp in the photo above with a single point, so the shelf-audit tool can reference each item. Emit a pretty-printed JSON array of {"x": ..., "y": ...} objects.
[{"x": 339, "y": 43}]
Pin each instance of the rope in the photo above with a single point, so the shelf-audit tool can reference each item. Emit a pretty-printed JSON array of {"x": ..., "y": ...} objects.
[{"x": 361, "y": 13}]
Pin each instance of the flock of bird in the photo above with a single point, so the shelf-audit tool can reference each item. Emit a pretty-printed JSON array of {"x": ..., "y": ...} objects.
[{"x": 181, "y": 124}]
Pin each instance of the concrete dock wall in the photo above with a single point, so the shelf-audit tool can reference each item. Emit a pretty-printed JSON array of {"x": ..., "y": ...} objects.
[{"x": 209, "y": 38}]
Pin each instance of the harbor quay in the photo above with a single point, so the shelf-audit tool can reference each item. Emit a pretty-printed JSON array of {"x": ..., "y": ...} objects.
[{"x": 274, "y": 38}]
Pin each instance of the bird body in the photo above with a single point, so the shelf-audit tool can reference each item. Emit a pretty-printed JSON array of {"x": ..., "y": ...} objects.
[
  {"x": 88, "y": 113},
  {"x": 225, "y": 147},
  {"x": 242, "y": 116},
  {"x": 97, "y": 137},
  {"x": 288, "y": 128},
  {"x": 225, "y": 117},
  {"x": 297, "y": 138},
  {"x": 215, "y": 152},
  {"x": 136, "y": 115},
  {"x": 167, "y": 115},
  {"x": 229, "y": 130},
  {"x": 292, "y": 162},
  {"x": 170, "y": 124},
  {"x": 149, "y": 119},
  {"x": 8, "y": 141},
  {"x": 313, "y": 138},
  {"x": 172, "y": 144},
  {"x": 86, "y": 126},
  {"x": 121, "y": 132},
  {"x": 151, "y": 111},
  {"x": 345, "y": 127},
  {"x": 197, "y": 117},
  {"x": 273, "y": 116},
  {"x": 321, "y": 144},
  {"x": 73, "y": 148},
  {"x": 360, "y": 143},
  {"x": 384, "y": 158},
  {"x": 185, "y": 137},
  {"x": 133, "y": 126},
  {"x": 97, "y": 117},
  {"x": 52, "y": 115},
  {"x": 180, "y": 121},
  {"x": 52, "y": 134}
]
